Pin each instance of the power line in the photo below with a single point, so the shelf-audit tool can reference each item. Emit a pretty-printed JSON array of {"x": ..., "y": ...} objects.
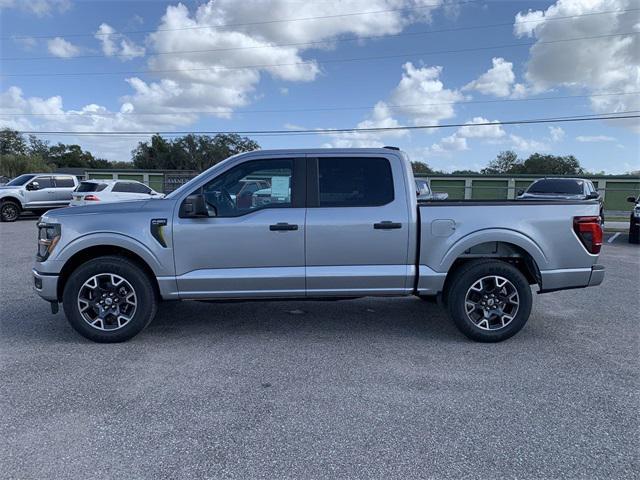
[
  {"x": 248, "y": 24},
  {"x": 315, "y": 62},
  {"x": 328, "y": 131},
  {"x": 324, "y": 42},
  {"x": 318, "y": 109}
]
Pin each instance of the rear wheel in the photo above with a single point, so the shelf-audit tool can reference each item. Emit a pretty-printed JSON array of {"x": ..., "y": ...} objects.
[
  {"x": 109, "y": 299},
  {"x": 634, "y": 231},
  {"x": 489, "y": 300},
  {"x": 9, "y": 211}
]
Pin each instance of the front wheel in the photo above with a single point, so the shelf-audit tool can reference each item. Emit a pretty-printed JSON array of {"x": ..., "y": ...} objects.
[
  {"x": 489, "y": 300},
  {"x": 109, "y": 299},
  {"x": 9, "y": 211}
]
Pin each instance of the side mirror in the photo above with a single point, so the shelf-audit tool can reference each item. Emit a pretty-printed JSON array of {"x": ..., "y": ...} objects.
[
  {"x": 593, "y": 195},
  {"x": 195, "y": 206},
  {"x": 520, "y": 192},
  {"x": 33, "y": 186},
  {"x": 631, "y": 199}
]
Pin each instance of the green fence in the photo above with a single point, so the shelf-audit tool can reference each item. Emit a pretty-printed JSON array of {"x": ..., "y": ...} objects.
[{"x": 615, "y": 189}]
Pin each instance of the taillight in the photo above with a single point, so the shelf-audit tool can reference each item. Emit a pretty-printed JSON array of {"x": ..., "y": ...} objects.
[
  {"x": 91, "y": 198},
  {"x": 589, "y": 231}
]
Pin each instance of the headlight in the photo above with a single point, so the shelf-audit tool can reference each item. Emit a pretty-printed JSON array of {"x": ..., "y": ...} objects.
[{"x": 48, "y": 238}]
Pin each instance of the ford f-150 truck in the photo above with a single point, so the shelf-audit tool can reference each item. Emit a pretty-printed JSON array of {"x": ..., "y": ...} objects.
[
  {"x": 37, "y": 192},
  {"x": 336, "y": 223}
]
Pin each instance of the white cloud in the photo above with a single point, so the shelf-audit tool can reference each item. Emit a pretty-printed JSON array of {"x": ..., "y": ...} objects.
[
  {"x": 496, "y": 81},
  {"x": 610, "y": 64},
  {"x": 214, "y": 77},
  {"x": 427, "y": 101},
  {"x": 40, "y": 8},
  {"x": 458, "y": 140},
  {"x": 52, "y": 116},
  {"x": 482, "y": 131},
  {"x": 557, "y": 133},
  {"x": 594, "y": 138},
  {"x": 59, "y": 47},
  {"x": 27, "y": 43},
  {"x": 380, "y": 118},
  {"x": 527, "y": 145},
  {"x": 114, "y": 43}
]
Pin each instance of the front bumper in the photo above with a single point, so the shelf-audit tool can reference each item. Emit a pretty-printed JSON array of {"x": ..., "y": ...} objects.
[{"x": 46, "y": 285}]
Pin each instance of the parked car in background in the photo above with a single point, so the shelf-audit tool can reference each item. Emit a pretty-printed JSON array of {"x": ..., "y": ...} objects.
[
  {"x": 35, "y": 192},
  {"x": 4, "y": 180},
  {"x": 563, "y": 189},
  {"x": 424, "y": 191},
  {"x": 634, "y": 220},
  {"x": 90, "y": 192},
  {"x": 335, "y": 223}
]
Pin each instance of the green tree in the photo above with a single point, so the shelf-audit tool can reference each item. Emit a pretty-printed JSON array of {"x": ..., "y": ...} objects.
[
  {"x": 421, "y": 168},
  {"x": 505, "y": 162},
  {"x": 12, "y": 165},
  {"x": 12, "y": 143},
  {"x": 191, "y": 152},
  {"x": 552, "y": 165}
]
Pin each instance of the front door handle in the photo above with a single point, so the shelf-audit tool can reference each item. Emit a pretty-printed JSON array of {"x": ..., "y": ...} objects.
[
  {"x": 281, "y": 227},
  {"x": 387, "y": 225}
]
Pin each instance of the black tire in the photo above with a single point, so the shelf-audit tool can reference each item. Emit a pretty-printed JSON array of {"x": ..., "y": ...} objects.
[
  {"x": 634, "y": 232},
  {"x": 145, "y": 295},
  {"x": 467, "y": 276},
  {"x": 9, "y": 211}
]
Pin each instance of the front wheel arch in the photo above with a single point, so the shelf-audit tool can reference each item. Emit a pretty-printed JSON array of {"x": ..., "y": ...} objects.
[{"x": 83, "y": 256}]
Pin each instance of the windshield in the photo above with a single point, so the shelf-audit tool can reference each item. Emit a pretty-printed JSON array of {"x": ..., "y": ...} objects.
[
  {"x": 21, "y": 180},
  {"x": 563, "y": 186},
  {"x": 91, "y": 187}
]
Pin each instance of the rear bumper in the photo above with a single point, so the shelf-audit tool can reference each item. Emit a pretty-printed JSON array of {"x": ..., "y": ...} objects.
[
  {"x": 597, "y": 275},
  {"x": 46, "y": 285},
  {"x": 564, "y": 279}
]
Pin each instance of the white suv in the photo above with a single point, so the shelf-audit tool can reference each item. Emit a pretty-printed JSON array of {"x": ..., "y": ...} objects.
[{"x": 109, "y": 191}]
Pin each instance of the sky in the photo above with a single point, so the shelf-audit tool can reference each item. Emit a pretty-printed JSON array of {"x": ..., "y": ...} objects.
[{"x": 226, "y": 65}]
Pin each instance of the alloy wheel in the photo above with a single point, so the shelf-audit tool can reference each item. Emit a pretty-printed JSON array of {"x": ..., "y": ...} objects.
[
  {"x": 10, "y": 212},
  {"x": 107, "y": 301},
  {"x": 492, "y": 302}
]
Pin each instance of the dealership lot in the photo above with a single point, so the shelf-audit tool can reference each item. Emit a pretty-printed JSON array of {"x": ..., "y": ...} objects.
[{"x": 351, "y": 389}]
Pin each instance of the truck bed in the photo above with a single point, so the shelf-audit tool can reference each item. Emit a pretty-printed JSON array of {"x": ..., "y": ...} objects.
[{"x": 539, "y": 230}]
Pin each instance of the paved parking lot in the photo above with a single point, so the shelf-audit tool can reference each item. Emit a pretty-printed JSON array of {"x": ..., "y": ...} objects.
[{"x": 366, "y": 388}]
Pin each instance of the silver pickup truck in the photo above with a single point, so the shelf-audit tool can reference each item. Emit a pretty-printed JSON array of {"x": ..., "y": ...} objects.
[
  {"x": 332, "y": 223},
  {"x": 37, "y": 192}
]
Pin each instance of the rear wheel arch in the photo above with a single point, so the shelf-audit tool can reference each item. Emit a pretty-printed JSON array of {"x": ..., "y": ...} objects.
[
  {"x": 502, "y": 251},
  {"x": 85, "y": 255}
]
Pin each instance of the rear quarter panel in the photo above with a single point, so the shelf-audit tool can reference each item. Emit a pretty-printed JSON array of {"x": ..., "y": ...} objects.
[{"x": 544, "y": 230}]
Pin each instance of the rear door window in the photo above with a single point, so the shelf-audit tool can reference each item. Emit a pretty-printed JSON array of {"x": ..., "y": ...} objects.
[
  {"x": 64, "y": 182},
  {"x": 354, "y": 182}
]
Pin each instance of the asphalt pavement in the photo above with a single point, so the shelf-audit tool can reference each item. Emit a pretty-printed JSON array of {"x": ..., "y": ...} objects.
[{"x": 368, "y": 388}]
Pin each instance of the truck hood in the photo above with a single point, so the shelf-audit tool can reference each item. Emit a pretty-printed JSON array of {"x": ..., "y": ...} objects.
[
  {"x": 115, "y": 208},
  {"x": 6, "y": 188}
]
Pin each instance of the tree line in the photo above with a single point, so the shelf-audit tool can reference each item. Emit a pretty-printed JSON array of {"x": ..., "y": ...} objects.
[
  {"x": 192, "y": 152},
  {"x": 198, "y": 152}
]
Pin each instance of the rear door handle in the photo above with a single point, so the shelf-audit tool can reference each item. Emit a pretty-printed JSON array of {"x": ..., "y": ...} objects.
[
  {"x": 387, "y": 225},
  {"x": 281, "y": 227}
]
